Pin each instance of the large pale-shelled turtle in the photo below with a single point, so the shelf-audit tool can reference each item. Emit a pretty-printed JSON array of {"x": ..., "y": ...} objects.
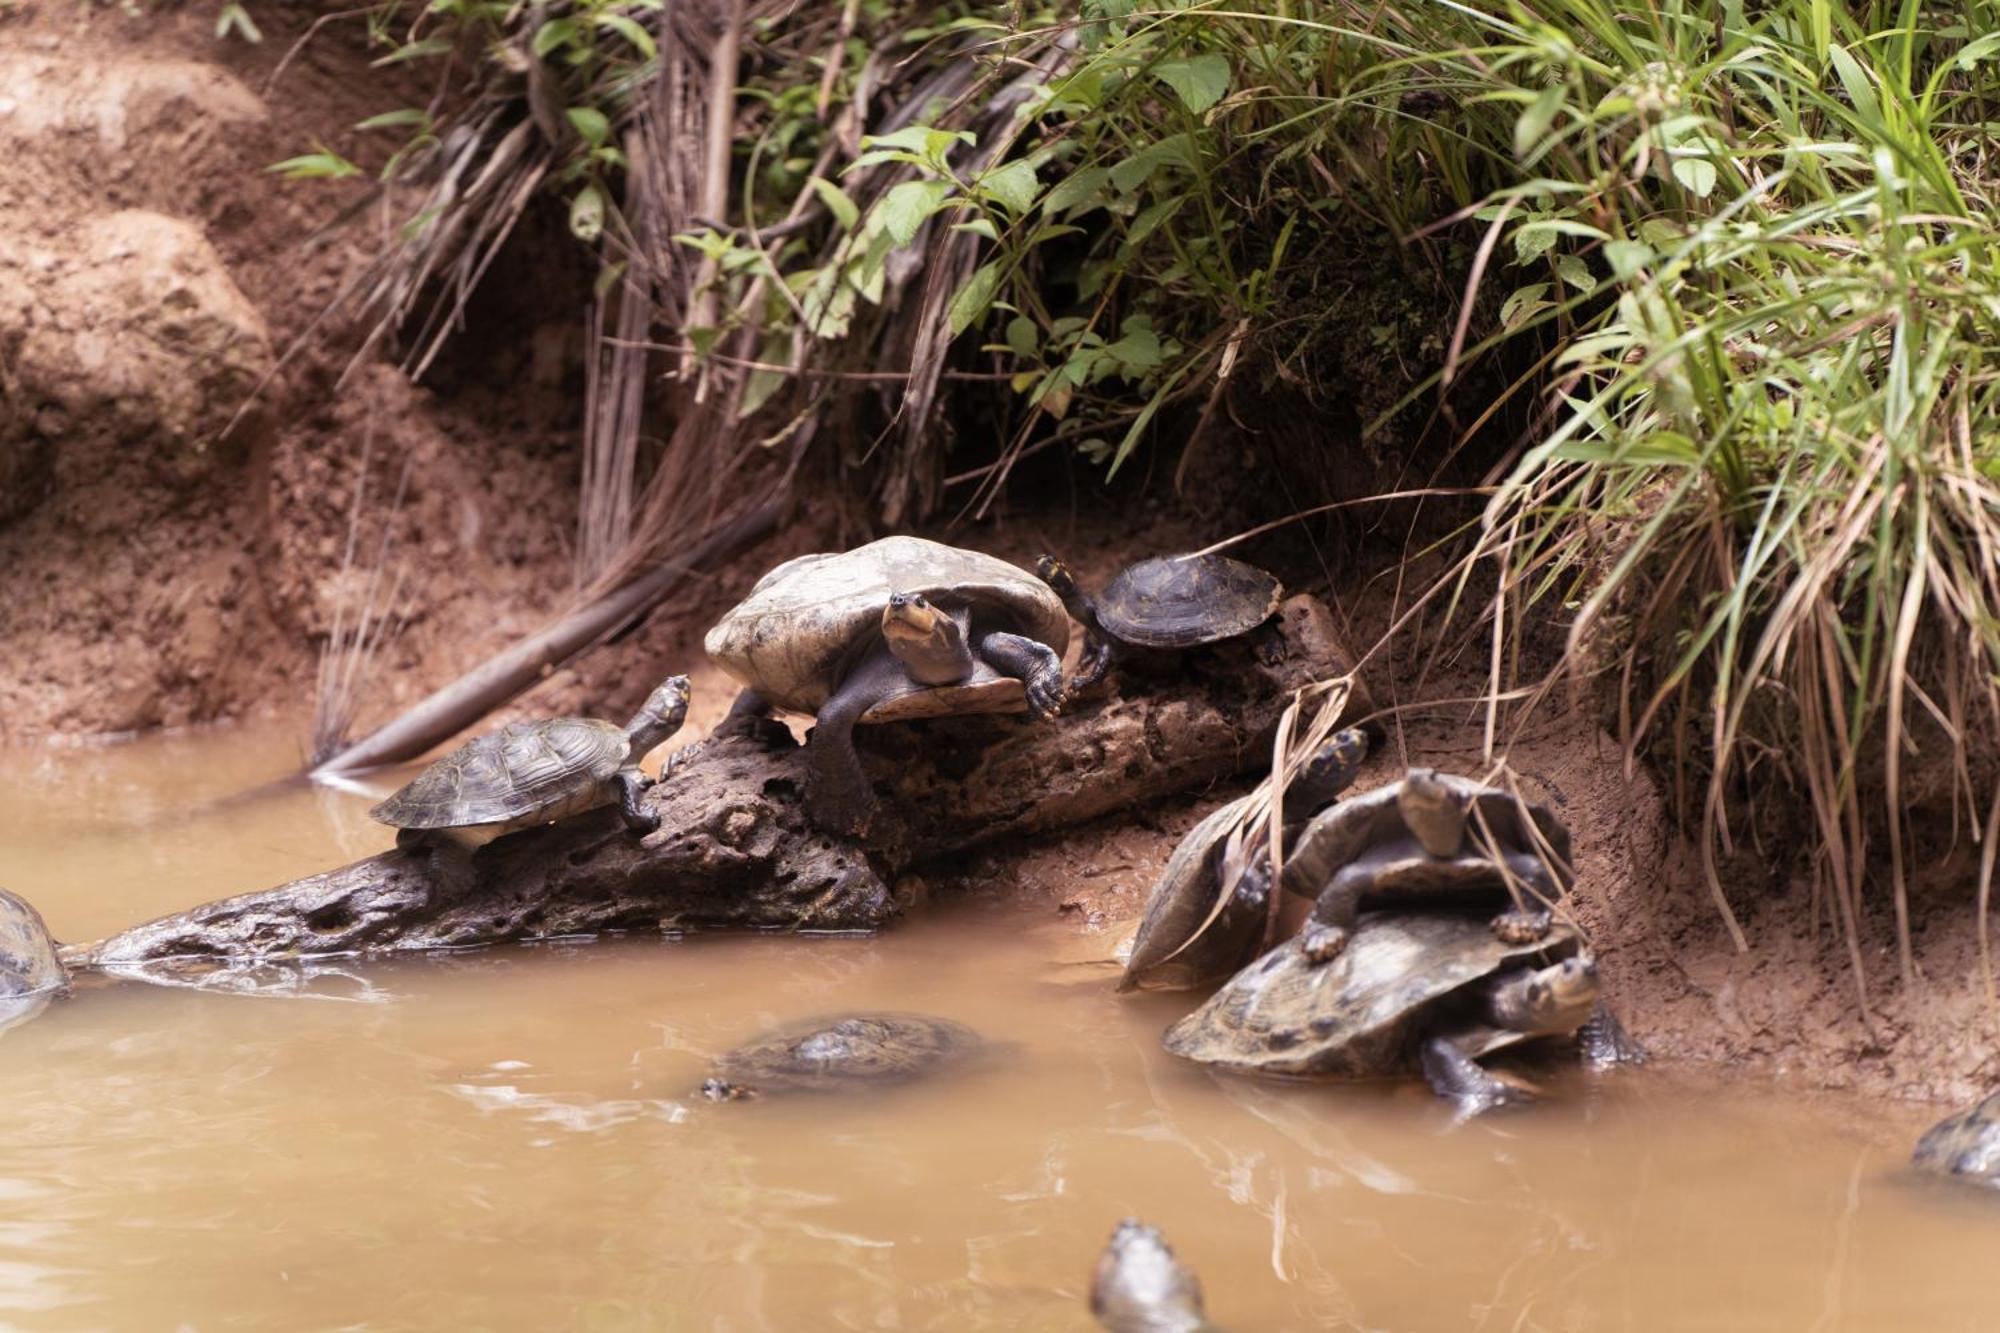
[
  {"x": 1965, "y": 1145},
  {"x": 840, "y": 1053},
  {"x": 31, "y": 973},
  {"x": 899, "y": 628},
  {"x": 1437, "y": 989},
  {"x": 1167, "y": 603},
  {"x": 1186, "y": 937},
  {"x": 1429, "y": 838},
  {"x": 533, "y": 773}
]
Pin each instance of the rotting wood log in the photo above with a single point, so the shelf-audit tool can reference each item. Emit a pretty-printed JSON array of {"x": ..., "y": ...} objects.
[{"x": 734, "y": 848}]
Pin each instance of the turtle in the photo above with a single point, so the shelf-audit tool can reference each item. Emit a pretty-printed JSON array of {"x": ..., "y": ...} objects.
[
  {"x": 1436, "y": 987},
  {"x": 839, "y": 1053},
  {"x": 1186, "y": 939},
  {"x": 1167, "y": 602},
  {"x": 1429, "y": 837},
  {"x": 532, "y": 773},
  {"x": 1140, "y": 1287},
  {"x": 899, "y": 628},
  {"x": 31, "y": 972},
  {"x": 1965, "y": 1145}
]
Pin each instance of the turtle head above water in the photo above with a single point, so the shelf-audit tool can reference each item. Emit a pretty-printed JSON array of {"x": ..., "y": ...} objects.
[
  {"x": 660, "y": 718},
  {"x": 1553, "y": 999},
  {"x": 1139, "y": 1287},
  {"x": 722, "y": 1090}
]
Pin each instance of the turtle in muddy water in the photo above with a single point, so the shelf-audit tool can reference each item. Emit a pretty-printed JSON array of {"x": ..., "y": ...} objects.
[
  {"x": 532, "y": 773},
  {"x": 1140, "y": 1287},
  {"x": 31, "y": 972},
  {"x": 842, "y": 1053},
  {"x": 1187, "y": 938},
  {"x": 1437, "y": 989},
  {"x": 899, "y": 628},
  {"x": 1965, "y": 1146},
  {"x": 1429, "y": 838},
  {"x": 1166, "y": 604}
]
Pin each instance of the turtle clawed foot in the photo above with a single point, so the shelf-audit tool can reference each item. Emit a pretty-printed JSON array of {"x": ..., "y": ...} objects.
[
  {"x": 642, "y": 822},
  {"x": 1522, "y": 925},
  {"x": 1605, "y": 1043},
  {"x": 1047, "y": 693},
  {"x": 837, "y": 812},
  {"x": 1322, "y": 943},
  {"x": 1494, "y": 1095}
]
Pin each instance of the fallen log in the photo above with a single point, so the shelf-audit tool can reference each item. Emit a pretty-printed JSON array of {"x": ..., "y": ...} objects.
[{"x": 734, "y": 848}]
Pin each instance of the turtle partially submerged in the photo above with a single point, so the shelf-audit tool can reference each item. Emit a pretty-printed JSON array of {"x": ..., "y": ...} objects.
[
  {"x": 1435, "y": 989},
  {"x": 1430, "y": 837},
  {"x": 841, "y": 1053},
  {"x": 1140, "y": 1287},
  {"x": 1965, "y": 1145},
  {"x": 1186, "y": 938},
  {"x": 1166, "y": 603},
  {"x": 899, "y": 628},
  {"x": 31, "y": 973},
  {"x": 533, "y": 773}
]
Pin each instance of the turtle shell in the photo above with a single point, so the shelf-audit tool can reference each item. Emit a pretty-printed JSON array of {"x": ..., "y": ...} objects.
[
  {"x": 1166, "y": 953},
  {"x": 514, "y": 773},
  {"x": 1343, "y": 833},
  {"x": 1359, "y": 1014},
  {"x": 28, "y": 961},
  {"x": 1179, "y": 601},
  {"x": 792, "y": 638},
  {"x": 852, "y": 1050},
  {"x": 1966, "y": 1145}
]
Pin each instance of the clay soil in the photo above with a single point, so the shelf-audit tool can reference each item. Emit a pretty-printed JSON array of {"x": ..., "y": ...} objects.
[{"x": 167, "y": 558}]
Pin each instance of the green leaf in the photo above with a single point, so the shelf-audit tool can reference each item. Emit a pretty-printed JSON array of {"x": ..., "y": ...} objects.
[
  {"x": 1023, "y": 338},
  {"x": 389, "y": 120},
  {"x": 1079, "y": 187},
  {"x": 907, "y": 206},
  {"x": 1013, "y": 186},
  {"x": 586, "y": 214},
  {"x": 1136, "y": 170},
  {"x": 630, "y": 31},
  {"x": 234, "y": 17},
  {"x": 552, "y": 34},
  {"x": 980, "y": 227},
  {"x": 1535, "y": 121},
  {"x": 429, "y": 46},
  {"x": 837, "y": 202},
  {"x": 970, "y": 304},
  {"x": 591, "y": 123},
  {"x": 1200, "y": 81},
  {"x": 1532, "y": 242},
  {"x": 1696, "y": 174},
  {"x": 1572, "y": 270},
  {"x": 323, "y": 165},
  {"x": 1627, "y": 258},
  {"x": 1525, "y": 302}
]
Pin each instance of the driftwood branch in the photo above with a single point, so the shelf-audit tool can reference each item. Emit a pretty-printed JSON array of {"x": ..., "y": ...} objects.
[
  {"x": 734, "y": 848},
  {"x": 472, "y": 696}
]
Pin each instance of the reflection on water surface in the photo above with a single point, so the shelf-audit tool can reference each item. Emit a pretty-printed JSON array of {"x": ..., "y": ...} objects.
[{"x": 512, "y": 1139}]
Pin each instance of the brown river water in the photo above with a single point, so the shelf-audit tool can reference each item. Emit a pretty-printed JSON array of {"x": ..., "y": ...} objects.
[{"x": 509, "y": 1139}]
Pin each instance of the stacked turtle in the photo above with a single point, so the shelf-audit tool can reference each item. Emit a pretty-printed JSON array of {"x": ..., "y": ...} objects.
[{"x": 1430, "y": 942}]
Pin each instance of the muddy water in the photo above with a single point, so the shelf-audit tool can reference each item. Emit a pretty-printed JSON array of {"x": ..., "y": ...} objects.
[{"x": 508, "y": 1139}]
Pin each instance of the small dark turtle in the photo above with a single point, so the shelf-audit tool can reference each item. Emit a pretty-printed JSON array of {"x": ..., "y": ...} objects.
[
  {"x": 1429, "y": 838},
  {"x": 837, "y": 1054},
  {"x": 1139, "y": 1287},
  {"x": 31, "y": 973},
  {"x": 899, "y": 628},
  {"x": 1166, "y": 603},
  {"x": 1437, "y": 989},
  {"x": 533, "y": 773},
  {"x": 1187, "y": 939},
  {"x": 1965, "y": 1145}
]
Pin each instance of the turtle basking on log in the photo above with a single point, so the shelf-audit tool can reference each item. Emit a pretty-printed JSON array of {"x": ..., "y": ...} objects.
[
  {"x": 900, "y": 628},
  {"x": 532, "y": 773},
  {"x": 1430, "y": 838},
  {"x": 1187, "y": 938},
  {"x": 1436, "y": 989},
  {"x": 1166, "y": 604}
]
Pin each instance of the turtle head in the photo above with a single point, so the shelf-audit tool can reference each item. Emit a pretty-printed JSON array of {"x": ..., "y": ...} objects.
[
  {"x": 1059, "y": 578},
  {"x": 1552, "y": 999},
  {"x": 722, "y": 1090},
  {"x": 1330, "y": 768},
  {"x": 1434, "y": 810},
  {"x": 930, "y": 643},
  {"x": 660, "y": 718},
  {"x": 1139, "y": 1286}
]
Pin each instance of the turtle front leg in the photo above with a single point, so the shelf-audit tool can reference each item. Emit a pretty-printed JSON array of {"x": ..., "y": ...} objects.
[
  {"x": 449, "y": 860},
  {"x": 1603, "y": 1041},
  {"x": 1267, "y": 642},
  {"x": 632, "y": 786},
  {"x": 1032, "y": 663},
  {"x": 1325, "y": 935},
  {"x": 1098, "y": 653},
  {"x": 839, "y": 797},
  {"x": 750, "y": 715},
  {"x": 1460, "y": 1079},
  {"x": 1530, "y": 920}
]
